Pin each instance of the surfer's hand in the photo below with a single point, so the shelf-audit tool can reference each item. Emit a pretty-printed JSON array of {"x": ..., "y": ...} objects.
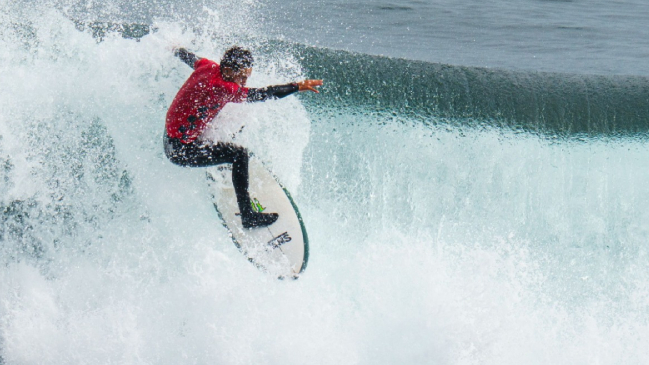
[
  {"x": 174, "y": 47},
  {"x": 309, "y": 85}
]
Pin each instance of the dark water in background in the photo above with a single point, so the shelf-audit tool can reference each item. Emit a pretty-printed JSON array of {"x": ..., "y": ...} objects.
[
  {"x": 581, "y": 36},
  {"x": 458, "y": 214}
]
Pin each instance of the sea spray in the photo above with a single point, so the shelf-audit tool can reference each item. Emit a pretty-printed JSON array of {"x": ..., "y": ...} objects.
[{"x": 435, "y": 242}]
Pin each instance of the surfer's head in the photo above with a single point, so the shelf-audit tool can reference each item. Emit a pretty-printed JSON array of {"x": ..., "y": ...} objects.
[{"x": 236, "y": 65}]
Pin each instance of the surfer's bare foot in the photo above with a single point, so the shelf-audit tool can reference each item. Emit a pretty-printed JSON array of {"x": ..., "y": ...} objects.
[{"x": 255, "y": 220}]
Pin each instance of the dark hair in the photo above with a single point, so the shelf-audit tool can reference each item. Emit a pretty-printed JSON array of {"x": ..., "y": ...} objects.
[{"x": 237, "y": 58}]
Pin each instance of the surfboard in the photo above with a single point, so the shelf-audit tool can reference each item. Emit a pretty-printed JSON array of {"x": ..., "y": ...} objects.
[{"x": 281, "y": 249}]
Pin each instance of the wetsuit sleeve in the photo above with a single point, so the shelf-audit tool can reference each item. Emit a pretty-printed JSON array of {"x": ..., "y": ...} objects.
[
  {"x": 187, "y": 57},
  {"x": 271, "y": 92}
]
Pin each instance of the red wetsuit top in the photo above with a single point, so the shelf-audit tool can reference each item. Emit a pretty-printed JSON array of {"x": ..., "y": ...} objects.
[{"x": 200, "y": 99}]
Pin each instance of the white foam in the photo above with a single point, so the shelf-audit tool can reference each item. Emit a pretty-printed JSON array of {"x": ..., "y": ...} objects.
[{"x": 428, "y": 245}]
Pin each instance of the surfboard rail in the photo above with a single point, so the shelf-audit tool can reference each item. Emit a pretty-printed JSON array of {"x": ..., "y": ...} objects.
[{"x": 260, "y": 245}]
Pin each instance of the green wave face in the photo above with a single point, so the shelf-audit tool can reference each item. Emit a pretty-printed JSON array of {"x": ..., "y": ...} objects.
[{"x": 547, "y": 103}]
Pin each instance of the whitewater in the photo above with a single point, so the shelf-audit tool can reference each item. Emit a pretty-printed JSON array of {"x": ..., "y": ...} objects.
[{"x": 456, "y": 214}]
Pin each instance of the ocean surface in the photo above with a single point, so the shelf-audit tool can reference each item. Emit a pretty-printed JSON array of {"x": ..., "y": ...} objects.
[{"x": 473, "y": 179}]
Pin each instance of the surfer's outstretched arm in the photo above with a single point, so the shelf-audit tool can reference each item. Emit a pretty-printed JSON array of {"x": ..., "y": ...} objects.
[
  {"x": 271, "y": 92},
  {"x": 186, "y": 56},
  {"x": 280, "y": 91}
]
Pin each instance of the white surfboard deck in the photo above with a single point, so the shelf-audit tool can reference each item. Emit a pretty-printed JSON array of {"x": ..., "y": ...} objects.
[{"x": 281, "y": 249}]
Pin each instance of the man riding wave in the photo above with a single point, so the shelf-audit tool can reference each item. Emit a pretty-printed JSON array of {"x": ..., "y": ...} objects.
[{"x": 209, "y": 88}]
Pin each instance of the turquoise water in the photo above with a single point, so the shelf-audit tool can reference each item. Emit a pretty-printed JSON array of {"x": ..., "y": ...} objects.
[{"x": 456, "y": 214}]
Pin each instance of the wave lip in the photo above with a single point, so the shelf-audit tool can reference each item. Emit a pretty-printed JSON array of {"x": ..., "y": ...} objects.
[{"x": 554, "y": 103}]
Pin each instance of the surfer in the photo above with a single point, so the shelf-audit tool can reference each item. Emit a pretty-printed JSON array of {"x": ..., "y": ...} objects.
[{"x": 209, "y": 88}]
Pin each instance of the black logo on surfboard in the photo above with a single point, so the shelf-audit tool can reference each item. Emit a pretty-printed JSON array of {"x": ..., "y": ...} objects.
[{"x": 280, "y": 240}]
